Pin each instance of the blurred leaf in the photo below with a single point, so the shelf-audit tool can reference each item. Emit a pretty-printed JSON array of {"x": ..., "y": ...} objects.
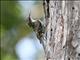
[
  {"x": 8, "y": 57},
  {"x": 10, "y": 14},
  {"x": 13, "y": 28}
]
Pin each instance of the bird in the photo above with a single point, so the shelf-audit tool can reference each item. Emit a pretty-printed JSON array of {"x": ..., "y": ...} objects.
[{"x": 37, "y": 26}]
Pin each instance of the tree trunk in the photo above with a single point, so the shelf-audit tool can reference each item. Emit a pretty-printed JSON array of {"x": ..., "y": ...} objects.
[{"x": 62, "y": 30}]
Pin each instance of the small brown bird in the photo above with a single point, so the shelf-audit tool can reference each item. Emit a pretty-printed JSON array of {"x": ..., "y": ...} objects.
[{"x": 37, "y": 26}]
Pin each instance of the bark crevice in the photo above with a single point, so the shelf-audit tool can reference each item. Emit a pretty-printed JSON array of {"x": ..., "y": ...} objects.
[{"x": 62, "y": 34}]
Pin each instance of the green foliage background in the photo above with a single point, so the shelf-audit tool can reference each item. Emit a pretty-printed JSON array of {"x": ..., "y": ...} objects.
[{"x": 13, "y": 27}]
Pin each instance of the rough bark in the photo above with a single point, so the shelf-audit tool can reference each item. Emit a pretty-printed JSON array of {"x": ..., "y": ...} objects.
[{"x": 62, "y": 30}]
